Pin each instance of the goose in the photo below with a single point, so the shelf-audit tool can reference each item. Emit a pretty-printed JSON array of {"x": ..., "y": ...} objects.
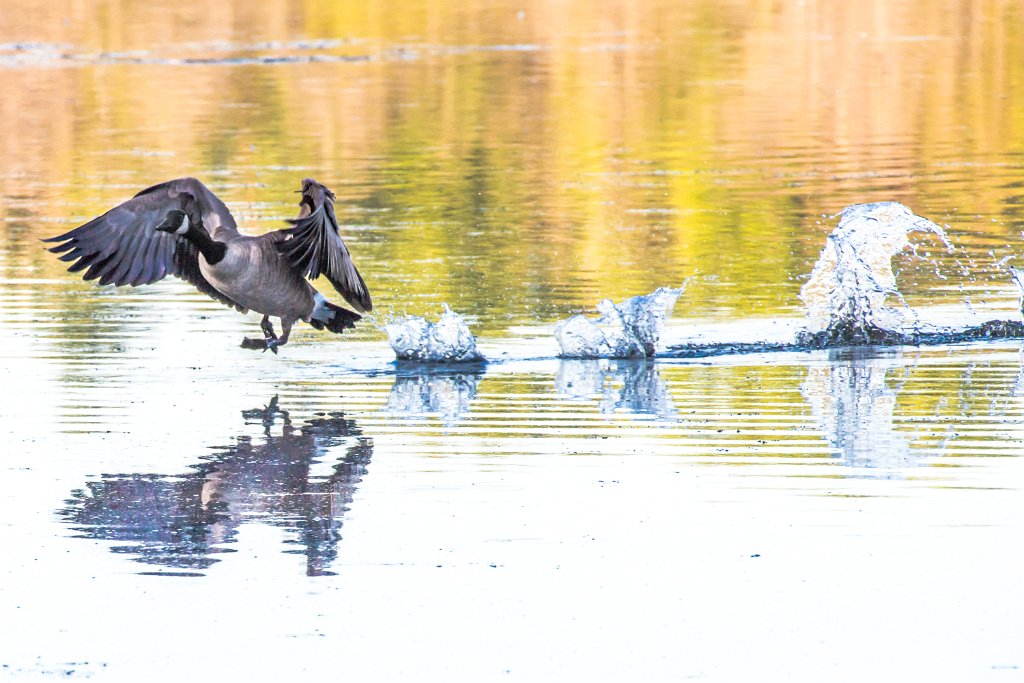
[{"x": 181, "y": 228}]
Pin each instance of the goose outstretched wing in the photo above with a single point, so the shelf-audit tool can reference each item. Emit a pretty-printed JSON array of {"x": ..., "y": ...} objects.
[
  {"x": 313, "y": 246},
  {"x": 123, "y": 246}
]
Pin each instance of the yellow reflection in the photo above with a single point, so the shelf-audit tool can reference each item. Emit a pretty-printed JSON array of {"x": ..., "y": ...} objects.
[{"x": 522, "y": 160}]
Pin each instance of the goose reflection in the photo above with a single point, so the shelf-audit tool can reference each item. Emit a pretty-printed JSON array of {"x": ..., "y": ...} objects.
[
  {"x": 640, "y": 387},
  {"x": 446, "y": 392},
  {"x": 853, "y": 399},
  {"x": 181, "y": 522}
]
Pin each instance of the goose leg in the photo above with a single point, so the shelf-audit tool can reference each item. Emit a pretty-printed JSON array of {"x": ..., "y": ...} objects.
[
  {"x": 286, "y": 329},
  {"x": 268, "y": 328}
]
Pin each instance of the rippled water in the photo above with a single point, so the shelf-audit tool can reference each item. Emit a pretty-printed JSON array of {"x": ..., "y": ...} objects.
[{"x": 175, "y": 504}]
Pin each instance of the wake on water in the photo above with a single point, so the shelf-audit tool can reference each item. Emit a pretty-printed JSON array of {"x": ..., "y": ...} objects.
[
  {"x": 847, "y": 295},
  {"x": 846, "y": 298}
]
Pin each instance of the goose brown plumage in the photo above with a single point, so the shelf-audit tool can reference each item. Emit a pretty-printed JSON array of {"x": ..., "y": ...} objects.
[{"x": 181, "y": 228}]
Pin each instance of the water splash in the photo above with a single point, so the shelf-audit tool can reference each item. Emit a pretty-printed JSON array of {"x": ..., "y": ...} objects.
[
  {"x": 846, "y": 294},
  {"x": 1018, "y": 279},
  {"x": 446, "y": 341},
  {"x": 630, "y": 329},
  {"x": 847, "y": 291}
]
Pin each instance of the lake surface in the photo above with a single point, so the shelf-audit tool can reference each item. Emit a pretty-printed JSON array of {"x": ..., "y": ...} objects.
[{"x": 174, "y": 506}]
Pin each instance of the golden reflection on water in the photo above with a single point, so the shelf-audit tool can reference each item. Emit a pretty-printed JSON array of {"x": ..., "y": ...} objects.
[
  {"x": 522, "y": 160},
  {"x": 519, "y": 161}
]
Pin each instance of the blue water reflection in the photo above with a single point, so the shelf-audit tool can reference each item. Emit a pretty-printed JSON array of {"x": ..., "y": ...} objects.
[{"x": 180, "y": 523}]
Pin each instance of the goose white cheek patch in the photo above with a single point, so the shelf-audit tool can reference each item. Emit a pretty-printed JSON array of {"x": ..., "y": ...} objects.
[{"x": 183, "y": 228}]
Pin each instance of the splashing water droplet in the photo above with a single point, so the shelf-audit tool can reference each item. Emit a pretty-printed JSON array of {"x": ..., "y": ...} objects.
[
  {"x": 446, "y": 341},
  {"x": 1018, "y": 279},
  {"x": 845, "y": 296},
  {"x": 630, "y": 329}
]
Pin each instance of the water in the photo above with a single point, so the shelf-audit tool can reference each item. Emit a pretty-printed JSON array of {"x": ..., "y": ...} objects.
[
  {"x": 183, "y": 522},
  {"x": 628, "y": 329},
  {"x": 1018, "y": 279},
  {"x": 846, "y": 298},
  {"x": 847, "y": 291},
  {"x": 449, "y": 340},
  {"x": 173, "y": 503}
]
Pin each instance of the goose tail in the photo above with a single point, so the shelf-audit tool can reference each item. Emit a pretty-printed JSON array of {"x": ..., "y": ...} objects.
[{"x": 332, "y": 318}]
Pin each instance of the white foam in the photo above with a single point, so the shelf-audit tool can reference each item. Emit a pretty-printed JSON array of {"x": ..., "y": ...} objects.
[
  {"x": 853, "y": 277},
  {"x": 630, "y": 329},
  {"x": 446, "y": 341}
]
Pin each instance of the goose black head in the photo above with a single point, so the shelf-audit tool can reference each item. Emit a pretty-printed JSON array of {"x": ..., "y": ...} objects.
[
  {"x": 175, "y": 222},
  {"x": 309, "y": 186}
]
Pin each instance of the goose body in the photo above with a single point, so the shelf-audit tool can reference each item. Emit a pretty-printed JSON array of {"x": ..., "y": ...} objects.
[
  {"x": 256, "y": 276},
  {"x": 181, "y": 228}
]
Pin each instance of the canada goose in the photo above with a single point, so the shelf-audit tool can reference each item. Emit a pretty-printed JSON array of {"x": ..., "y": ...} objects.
[{"x": 181, "y": 228}]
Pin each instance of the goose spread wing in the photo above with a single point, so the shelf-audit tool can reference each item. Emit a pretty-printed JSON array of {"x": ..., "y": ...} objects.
[
  {"x": 313, "y": 246},
  {"x": 123, "y": 246}
]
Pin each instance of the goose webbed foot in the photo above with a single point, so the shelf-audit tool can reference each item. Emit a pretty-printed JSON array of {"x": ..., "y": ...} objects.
[
  {"x": 270, "y": 341},
  {"x": 254, "y": 344},
  {"x": 261, "y": 344}
]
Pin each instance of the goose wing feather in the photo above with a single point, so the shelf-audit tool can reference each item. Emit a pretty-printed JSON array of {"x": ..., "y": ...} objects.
[
  {"x": 313, "y": 246},
  {"x": 123, "y": 246}
]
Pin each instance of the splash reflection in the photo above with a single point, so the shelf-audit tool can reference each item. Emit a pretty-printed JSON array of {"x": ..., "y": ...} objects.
[
  {"x": 853, "y": 400},
  {"x": 447, "y": 392},
  {"x": 181, "y": 522},
  {"x": 623, "y": 385},
  {"x": 1018, "y": 385}
]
